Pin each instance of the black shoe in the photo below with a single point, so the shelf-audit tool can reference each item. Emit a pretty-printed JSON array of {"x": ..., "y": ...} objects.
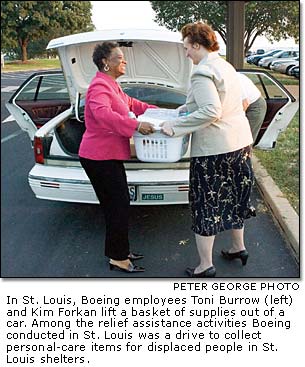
[
  {"x": 208, "y": 273},
  {"x": 131, "y": 268},
  {"x": 242, "y": 255},
  {"x": 133, "y": 256}
]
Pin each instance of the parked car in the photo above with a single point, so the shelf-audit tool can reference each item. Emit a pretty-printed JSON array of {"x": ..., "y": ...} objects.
[
  {"x": 49, "y": 106},
  {"x": 286, "y": 54},
  {"x": 260, "y": 51},
  {"x": 282, "y": 66},
  {"x": 295, "y": 71},
  {"x": 254, "y": 59},
  {"x": 289, "y": 72}
]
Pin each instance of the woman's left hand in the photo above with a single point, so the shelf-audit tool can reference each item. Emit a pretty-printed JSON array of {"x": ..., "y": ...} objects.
[{"x": 167, "y": 128}]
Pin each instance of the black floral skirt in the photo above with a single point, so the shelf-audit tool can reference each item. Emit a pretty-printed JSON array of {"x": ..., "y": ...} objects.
[{"x": 220, "y": 188}]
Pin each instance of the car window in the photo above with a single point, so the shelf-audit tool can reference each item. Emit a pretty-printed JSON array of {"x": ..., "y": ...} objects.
[
  {"x": 267, "y": 87},
  {"x": 46, "y": 87},
  {"x": 154, "y": 95},
  {"x": 278, "y": 54}
]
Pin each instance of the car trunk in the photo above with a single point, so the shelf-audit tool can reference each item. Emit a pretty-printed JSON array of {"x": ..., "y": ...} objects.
[{"x": 69, "y": 132}]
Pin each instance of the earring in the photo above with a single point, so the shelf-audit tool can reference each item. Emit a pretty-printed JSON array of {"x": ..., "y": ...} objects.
[{"x": 106, "y": 68}]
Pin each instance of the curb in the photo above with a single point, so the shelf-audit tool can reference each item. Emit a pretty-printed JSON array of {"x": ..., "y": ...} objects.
[{"x": 282, "y": 212}]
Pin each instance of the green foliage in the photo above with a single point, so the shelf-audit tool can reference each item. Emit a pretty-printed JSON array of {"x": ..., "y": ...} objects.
[
  {"x": 25, "y": 22},
  {"x": 273, "y": 19},
  {"x": 175, "y": 14}
]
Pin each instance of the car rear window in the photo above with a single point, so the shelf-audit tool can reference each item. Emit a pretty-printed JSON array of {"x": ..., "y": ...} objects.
[{"x": 162, "y": 97}]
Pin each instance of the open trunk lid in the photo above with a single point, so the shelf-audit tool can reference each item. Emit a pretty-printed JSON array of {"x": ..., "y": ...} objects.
[{"x": 153, "y": 57}]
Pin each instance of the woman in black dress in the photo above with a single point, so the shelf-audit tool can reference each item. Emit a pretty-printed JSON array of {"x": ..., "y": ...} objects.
[{"x": 221, "y": 174}]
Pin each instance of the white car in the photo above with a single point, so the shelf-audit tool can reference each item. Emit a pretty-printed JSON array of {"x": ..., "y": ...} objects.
[
  {"x": 284, "y": 66},
  {"x": 49, "y": 106},
  {"x": 265, "y": 62}
]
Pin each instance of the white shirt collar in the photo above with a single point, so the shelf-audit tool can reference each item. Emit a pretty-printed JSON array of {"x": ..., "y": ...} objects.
[{"x": 210, "y": 56}]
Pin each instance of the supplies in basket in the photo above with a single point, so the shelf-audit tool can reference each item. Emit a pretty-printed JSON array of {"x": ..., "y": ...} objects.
[{"x": 158, "y": 147}]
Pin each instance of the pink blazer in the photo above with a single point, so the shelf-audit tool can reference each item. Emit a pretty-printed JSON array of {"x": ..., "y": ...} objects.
[{"x": 108, "y": 127}]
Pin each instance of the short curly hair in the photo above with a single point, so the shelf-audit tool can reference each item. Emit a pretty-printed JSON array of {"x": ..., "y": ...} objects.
[
  {"x": 102, "y": 51},
  {"x": 201, "y": 33}
]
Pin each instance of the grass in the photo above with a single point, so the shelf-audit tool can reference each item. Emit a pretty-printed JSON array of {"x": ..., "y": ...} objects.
[
  {"x": 283, "y": 78},
  {"x": 35, "y": 64},
  {"x": 283, "y": 162}
]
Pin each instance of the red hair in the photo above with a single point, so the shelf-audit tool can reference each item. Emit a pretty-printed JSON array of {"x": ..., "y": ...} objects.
[{"x": 201, "y": 33}]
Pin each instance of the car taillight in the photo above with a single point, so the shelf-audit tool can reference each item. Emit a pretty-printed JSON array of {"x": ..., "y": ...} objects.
[{"x": 38, "y": 150}]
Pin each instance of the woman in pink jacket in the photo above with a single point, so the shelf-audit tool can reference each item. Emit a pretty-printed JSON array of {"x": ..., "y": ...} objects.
[{"x": 105, "y": 145}]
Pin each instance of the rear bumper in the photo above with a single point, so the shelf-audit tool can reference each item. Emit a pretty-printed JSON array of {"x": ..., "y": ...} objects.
[{"x": 71, "y": 184}]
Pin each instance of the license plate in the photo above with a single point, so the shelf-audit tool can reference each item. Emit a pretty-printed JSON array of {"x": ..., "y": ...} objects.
[
  {"x": 153, "y": 197},
  {"x": 132, "y": 193}
]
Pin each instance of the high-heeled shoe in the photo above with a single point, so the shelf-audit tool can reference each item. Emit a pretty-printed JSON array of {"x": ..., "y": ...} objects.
[
  {"x": 134, "y": 256},
  {"x": 208, "y": 273},
  {"x": 131, "y": 268},
  {"x": 242, "y": 255}
]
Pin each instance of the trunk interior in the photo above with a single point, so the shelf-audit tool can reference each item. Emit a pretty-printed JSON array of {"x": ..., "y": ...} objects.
[{"x": 69, "y": 135}]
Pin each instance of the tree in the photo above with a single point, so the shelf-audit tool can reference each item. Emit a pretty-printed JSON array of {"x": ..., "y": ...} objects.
[
  {"x": 273, "y": 19},
  {"x": 24, "y": 22}
]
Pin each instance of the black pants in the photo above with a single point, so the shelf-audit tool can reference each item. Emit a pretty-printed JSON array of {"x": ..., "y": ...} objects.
[{"x": 109, "y": 181}]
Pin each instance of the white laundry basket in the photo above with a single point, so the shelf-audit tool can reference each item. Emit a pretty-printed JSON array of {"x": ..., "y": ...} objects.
[{"x": 158, "y": 147}]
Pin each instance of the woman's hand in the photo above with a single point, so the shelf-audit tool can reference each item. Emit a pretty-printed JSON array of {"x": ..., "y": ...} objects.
[
  {"x": 167, "y": 128},
  {"x": 181, "y": 109},
  {"x": 145, "y": 128}
]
